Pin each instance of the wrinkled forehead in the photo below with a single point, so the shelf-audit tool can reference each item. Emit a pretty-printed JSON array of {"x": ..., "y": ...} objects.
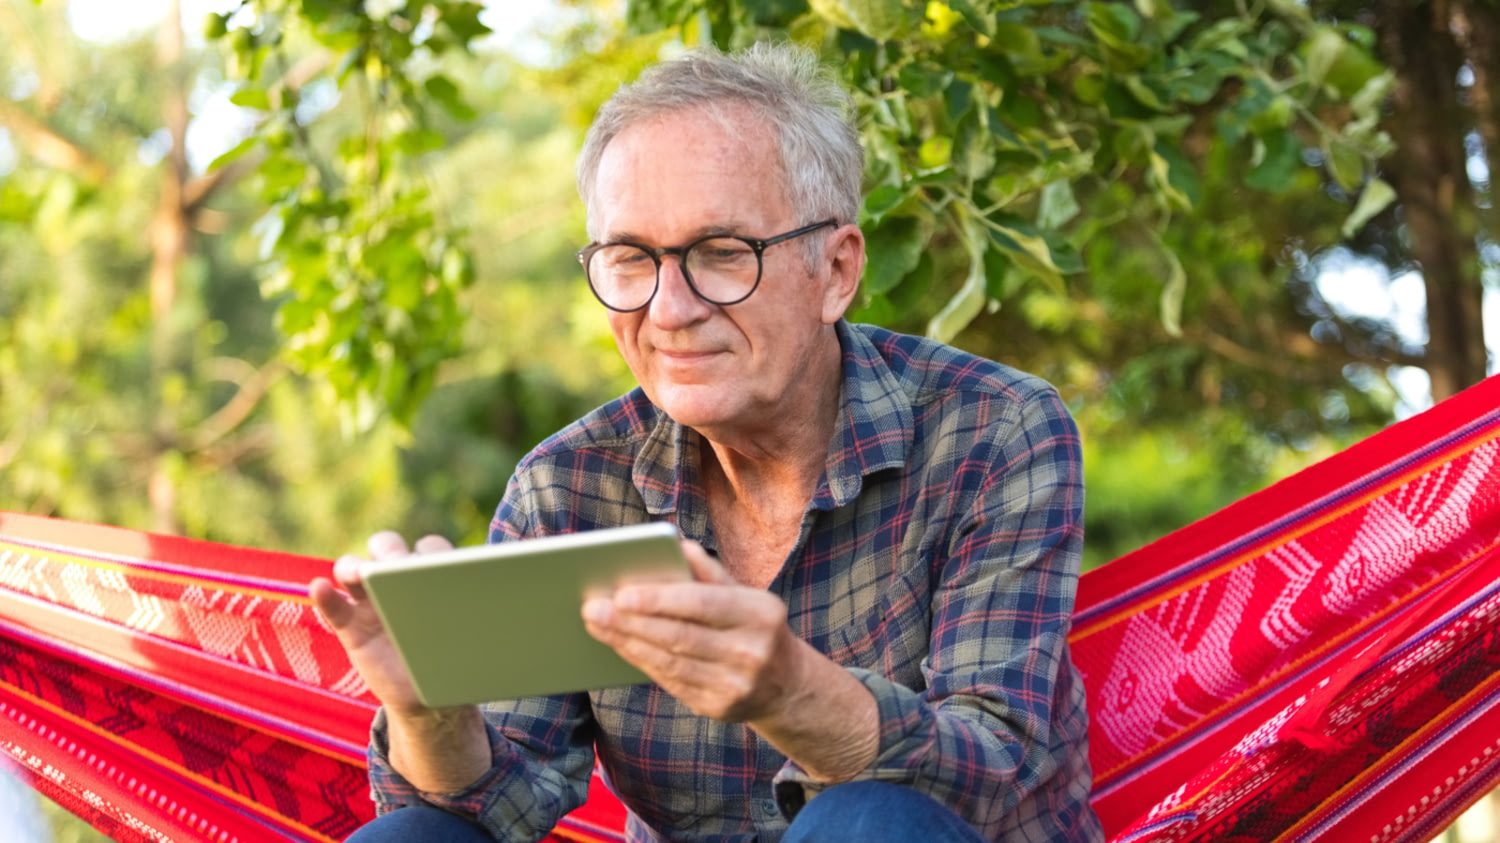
[{"x": 721, "y": 156}]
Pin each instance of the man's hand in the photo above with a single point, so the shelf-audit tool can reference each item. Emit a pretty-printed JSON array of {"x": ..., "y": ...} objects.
[
  {"x": 348, "y": 610},
  {"x": 725, "y": 651},
  {"x": 719, "y": 647},
  {"x": 438, "y": 750}
]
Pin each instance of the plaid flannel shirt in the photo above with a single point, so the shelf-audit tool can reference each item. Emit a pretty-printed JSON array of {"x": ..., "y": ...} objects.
[{"x": 937, "y": 562}]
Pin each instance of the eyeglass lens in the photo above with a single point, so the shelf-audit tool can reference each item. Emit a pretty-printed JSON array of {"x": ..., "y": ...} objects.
[{"x": 723, "y": 270}]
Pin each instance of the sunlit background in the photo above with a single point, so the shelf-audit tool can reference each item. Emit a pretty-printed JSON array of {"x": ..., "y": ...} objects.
[{"x": 1168, "y": 440}]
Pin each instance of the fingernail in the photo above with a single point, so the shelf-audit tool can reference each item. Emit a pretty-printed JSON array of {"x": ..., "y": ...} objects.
[
  {"x": 596, "y": 611},
  {"x": 386, "y": 543}
]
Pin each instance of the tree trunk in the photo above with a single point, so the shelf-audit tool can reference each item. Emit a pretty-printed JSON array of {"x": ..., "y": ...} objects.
[
  {"x": 1430, "y": 175},
  {"x": 171, "y": 240},
  {"x": 1480, "y": 34}
]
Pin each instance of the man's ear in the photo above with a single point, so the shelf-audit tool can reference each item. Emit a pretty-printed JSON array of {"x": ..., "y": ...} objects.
[{"x": 846, "y": 254}]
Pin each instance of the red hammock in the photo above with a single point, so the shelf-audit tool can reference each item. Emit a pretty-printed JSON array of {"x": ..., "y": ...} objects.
[{"x": 1324, "y": 654}]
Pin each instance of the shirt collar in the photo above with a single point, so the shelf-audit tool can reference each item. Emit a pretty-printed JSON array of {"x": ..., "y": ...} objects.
[
  {"x": 875, "y": 426},
  {"x": 873, "y": 432}
]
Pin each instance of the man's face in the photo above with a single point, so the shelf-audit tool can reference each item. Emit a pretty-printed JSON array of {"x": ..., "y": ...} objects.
[{"x": 672, "y": 180}]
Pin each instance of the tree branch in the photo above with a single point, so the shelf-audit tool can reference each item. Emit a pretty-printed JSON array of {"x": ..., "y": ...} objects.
[
  {"x": 252, "y": 387},
  {"x": 50, "y": 147},
  {"x": 1233, "y": 351},
  {"x": 234, "y": 450},
  {"x": 1475, "y": 24},
  {"x": 197, "y": 191}
]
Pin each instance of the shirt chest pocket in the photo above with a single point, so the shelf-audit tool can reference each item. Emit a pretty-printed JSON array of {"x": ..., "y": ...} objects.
[{"x": 889, "y": 637}]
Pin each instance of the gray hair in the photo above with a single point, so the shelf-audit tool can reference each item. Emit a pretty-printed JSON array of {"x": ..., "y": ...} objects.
[{"x": 784, "y": 86}]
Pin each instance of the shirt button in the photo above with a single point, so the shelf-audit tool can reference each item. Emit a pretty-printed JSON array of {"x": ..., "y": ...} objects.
[{"x": 769, "y": 806}]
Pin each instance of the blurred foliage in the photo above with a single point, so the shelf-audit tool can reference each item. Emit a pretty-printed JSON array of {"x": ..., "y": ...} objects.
[
  {"x": 1024, "y": 132},
  {"x": 367, "y": 278},
  {"x": 378, "y": 310},
  {"x": 1122, "y": 198},
  {"x": 259, "y": 452}
]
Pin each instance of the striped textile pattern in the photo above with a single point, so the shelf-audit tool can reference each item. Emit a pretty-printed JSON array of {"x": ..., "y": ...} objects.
[
  {"x": 1323, "y": 654},
  {"x": 170, "y": 689}
]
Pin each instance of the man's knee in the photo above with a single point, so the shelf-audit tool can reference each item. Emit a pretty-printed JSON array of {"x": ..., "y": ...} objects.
[
  {"x": 420, "y": 822},
  {"x": 877, "y": 812}
]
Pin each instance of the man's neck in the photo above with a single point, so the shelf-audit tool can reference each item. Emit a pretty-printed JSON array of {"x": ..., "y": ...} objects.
[
  {"x": 786, "y": 454},
  {"x": 756, "y": 504}
]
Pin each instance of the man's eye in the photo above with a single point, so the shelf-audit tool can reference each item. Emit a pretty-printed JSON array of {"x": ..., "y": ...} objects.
[
  {"x": 625, "y": 258},
  {"x": 722, "y": 251}
]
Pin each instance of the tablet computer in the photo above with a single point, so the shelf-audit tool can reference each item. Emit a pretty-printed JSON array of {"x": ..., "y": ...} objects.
[{"x": 502, "y": 621}]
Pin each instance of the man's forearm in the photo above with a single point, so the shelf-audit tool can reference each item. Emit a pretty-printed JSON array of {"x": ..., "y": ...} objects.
[
  {"x": 440, "y": 750},
  {"x": 829, "y": 724}
]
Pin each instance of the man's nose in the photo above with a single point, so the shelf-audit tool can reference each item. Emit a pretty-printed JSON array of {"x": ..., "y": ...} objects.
[{"x": 676, "y": 304}]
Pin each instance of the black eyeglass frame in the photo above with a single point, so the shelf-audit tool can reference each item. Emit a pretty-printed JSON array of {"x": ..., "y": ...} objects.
[{"x": 758, "y": 246}]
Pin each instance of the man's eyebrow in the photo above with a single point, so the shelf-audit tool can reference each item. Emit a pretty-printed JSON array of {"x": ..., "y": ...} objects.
[{"x": 698, "y": 234}]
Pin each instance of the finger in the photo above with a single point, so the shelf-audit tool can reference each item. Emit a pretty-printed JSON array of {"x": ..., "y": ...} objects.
[
  {"x": 387, "y": 543},
  {"x": 346, "y": 574},
  {"x": 599, "y": 611},
  {"x": 705, "y": 567},
  {"x": 432, "y": 544},
  {"x": 665, "y": 650},
  {"x": 706, "y": 604},
  {"x": 682, "y": 600},
  {"x": 330, "y": 602},
  {"x": 688, "y": 666},
  {"x": 737, "y": 646},
  {"x": 666, "y": 635}
]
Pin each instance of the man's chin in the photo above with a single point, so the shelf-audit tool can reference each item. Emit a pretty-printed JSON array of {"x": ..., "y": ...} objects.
[{"x": 697, "y": 405}]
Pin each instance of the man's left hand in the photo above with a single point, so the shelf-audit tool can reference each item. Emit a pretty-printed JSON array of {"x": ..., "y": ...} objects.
[{"x": 722, "y": 648}]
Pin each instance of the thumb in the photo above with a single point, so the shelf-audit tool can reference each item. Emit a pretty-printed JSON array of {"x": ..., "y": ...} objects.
[
  {"x": 704, "y": 565},
  {"x": 334, "y": 607}
]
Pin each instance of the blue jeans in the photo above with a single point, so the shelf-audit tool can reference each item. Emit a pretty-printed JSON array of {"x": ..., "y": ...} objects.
[
  {"x": 877, "y": 812},
  {"x": 420, "y": 824},
  {"x": 869, "y": 812}
]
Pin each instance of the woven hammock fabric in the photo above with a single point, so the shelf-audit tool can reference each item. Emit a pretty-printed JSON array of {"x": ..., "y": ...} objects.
[
  {"x": 1322, "y": 655},
  {"x": 171, "y": 689}
]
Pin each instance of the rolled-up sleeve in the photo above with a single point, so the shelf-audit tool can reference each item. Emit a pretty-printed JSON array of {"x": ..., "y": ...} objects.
[{"x": 542, "y": 757}]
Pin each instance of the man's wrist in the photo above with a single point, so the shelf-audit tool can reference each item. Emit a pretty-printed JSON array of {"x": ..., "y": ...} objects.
[
  {"x": 439, "y": 750},
  {"x": 831, "y": 726}
]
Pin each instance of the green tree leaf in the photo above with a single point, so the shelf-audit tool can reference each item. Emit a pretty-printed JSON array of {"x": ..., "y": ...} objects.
[
  {"x": 967, "y": 303},
  {"x": 893, "y": 249},
  {"x": 1280, "y": 155},
  {"x": 1376, "y": 197}
]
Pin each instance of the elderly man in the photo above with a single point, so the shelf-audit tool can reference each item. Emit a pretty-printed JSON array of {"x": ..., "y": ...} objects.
[{"x": 884, "y": 531}]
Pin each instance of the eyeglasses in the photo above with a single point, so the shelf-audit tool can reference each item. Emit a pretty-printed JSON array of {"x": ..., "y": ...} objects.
[{"x": 721, "y": 269}]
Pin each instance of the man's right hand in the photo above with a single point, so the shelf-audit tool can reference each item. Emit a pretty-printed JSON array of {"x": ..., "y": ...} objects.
[
  {"x": 346, "y": 607},
  {"x": 438, "y": 750}
]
